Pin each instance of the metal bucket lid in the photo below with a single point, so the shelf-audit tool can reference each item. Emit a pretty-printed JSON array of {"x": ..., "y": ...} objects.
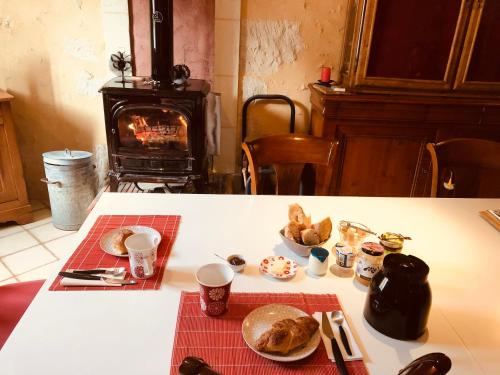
[{"x": 67, "y": 157}]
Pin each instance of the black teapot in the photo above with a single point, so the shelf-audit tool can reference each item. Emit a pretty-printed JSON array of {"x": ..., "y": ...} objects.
[{"x": 399, "y": 297}]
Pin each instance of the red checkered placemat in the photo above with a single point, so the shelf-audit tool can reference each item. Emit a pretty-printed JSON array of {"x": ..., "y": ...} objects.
[
  {"x": 89, "y": 255},
  {"x": 220, "y": 343}
]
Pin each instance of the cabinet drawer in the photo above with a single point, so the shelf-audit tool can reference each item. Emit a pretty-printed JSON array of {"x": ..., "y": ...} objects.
[{"x": 1, "y": 119}]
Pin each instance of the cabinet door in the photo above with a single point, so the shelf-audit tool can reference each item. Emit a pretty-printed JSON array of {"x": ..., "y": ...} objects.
[
  {"x": 411, "y": 44},
  {"x": 479, "y": 67},
  {"x": 381, "y": 161},
  {"x": 7, "y": 187}
]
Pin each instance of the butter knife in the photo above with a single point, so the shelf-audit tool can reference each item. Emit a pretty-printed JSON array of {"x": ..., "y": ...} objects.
[
  {"x": 109, "y": 280},
  {"x": 337, "y": 354}
]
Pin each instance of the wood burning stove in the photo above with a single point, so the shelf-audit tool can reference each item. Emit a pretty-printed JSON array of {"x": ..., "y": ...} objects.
[{"x": 156, "y": 130}]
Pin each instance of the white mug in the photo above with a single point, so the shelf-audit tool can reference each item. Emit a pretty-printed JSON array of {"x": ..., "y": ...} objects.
[{"x": 142, "y": 255}]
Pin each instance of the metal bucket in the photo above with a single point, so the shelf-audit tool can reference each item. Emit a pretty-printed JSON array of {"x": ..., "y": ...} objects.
[{"x": 70, "y": 179}]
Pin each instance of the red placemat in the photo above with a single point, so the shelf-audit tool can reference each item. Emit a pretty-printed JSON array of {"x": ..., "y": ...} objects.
[
  {"x": 89, "y": 254},
  {"x": 220, "y": 343}
]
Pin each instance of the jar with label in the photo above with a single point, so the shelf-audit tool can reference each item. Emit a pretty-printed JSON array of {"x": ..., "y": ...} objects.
[
  {"x": 345, "y": 257},
  {"x": 369, "y": 261}
]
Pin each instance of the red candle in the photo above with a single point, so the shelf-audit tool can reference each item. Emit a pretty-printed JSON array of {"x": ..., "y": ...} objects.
[{"x": 325, "y": 74}]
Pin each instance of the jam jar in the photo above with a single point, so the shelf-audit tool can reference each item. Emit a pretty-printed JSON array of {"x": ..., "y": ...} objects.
[
  {"x": 392, "y": 242},
  {"x": 369, "y": 261}
]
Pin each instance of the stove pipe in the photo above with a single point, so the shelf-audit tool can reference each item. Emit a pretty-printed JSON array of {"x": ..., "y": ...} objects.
[{"x": 162, "y": 40}]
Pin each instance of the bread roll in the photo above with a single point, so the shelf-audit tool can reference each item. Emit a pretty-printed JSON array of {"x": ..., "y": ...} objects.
[
  {"x": 309, "y": 237},
  {"x": 286, "y": 335},
  {"x": 292, "y": 231},
  {"x": 119, "y": 240}
]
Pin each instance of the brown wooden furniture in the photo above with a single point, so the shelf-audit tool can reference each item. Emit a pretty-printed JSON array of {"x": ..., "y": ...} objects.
[
  {"x": 14, "y": 204},
  {"x": 383, "y": 137},
  {"x": 423, "y": 45},
  {"x": 465, "y": 168},
  {"x": 288, "y": 154}
]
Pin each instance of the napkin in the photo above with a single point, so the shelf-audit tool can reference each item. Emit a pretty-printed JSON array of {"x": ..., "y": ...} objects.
[
  {"x": 66, "y": 281},
  {"x": 356, "y": 352}
]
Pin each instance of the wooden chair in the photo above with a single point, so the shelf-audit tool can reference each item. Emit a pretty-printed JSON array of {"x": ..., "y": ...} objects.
[
  {"x": 288, "y": 154},
  {"x": 465, "y": 168}
]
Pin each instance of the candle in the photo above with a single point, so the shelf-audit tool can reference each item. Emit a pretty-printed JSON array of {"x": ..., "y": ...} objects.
[{"x": 325, "y": 74}]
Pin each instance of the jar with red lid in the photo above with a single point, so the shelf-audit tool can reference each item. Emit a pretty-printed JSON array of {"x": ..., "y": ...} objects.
[{"x": 369, "y": 261}]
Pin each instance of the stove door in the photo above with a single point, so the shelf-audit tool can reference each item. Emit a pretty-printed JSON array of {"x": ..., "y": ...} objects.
[
  {"x": 153, "y": 129},
  {"x": 152, "y": 137}
]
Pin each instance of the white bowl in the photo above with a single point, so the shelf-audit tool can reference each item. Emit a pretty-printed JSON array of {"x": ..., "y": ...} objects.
[
  {"x": 297, "y": 248},
  {"x": 234, "y": 267}
]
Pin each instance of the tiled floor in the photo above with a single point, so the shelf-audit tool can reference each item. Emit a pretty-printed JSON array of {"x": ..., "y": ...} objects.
[{"x": 31, "y": 251}]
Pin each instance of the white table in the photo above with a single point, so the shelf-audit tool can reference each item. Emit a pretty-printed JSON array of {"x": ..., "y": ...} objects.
[{"x": 131, "y": 332}]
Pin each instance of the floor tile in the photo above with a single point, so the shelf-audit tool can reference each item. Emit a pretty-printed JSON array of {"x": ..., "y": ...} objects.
[
  {"x": 40, "y": 217},
  {"x": 63, "y": 246},
  {"x": 9, "y": 228},
  {"x": 48, "y": 232},
  {"x": 40, "y": 273},
  {"x": 8, "y": 281},
  {"x": 16, "y": 242},
  {"x": 4, "y": 272},
  {"x": 27, "y": 260}
]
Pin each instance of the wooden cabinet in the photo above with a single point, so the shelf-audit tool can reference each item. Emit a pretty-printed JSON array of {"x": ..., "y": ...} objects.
[
  {"x": 14, "y": 204},
  {"x": 423, "y": 45},
  {"x": 479, "y": 67},
  {"x": 383, "y": 137}
]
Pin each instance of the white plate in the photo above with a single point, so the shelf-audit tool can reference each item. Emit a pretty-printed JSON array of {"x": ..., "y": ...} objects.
[
  {"x": 262, "y": 318},
  {"x": 106, "y": 241},
  {"x": 266, "y": 267}
]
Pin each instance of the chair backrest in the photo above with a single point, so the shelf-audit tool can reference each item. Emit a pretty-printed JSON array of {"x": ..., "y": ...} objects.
[
  {"x": 288, "y": 154},
  {"x": 465, "y": 168}
]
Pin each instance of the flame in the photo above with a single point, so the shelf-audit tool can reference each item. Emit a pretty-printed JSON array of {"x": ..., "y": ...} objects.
[
  {"x": 183, "y": 121},
  {"x": 131, "y": 126}
]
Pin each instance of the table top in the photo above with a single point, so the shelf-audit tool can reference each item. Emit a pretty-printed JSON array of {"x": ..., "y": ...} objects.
[{"x": 131, "y": 332}]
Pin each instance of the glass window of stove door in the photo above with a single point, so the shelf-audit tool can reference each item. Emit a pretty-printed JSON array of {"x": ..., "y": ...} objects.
[{"x": 153, "y": 128}]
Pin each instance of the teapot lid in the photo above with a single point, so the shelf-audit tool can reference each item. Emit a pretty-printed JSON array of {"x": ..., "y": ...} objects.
[{"x": 406, "y": 267}]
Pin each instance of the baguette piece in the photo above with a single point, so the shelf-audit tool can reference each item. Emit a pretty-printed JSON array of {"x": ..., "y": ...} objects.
[
  {"x": 296, "y": 213},
  {"x": 324, "y": 229},
  {"x": 286, "y": 335}
]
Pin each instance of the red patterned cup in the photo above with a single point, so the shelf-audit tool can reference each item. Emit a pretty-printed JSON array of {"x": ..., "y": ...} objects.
[{"x": 215, "y": 286}]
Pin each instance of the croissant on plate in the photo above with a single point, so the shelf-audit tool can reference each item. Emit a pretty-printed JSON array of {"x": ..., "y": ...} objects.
[{"x": 286, "y": 335}]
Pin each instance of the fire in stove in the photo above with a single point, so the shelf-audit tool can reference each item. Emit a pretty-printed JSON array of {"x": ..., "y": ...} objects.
[{"x": 169, "y": 128}]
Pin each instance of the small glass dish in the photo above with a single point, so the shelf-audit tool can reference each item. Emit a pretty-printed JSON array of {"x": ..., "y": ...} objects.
[{"x": 236, "y": 262}]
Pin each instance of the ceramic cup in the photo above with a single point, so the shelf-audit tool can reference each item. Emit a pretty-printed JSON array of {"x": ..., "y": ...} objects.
[
  {"x": 142, "y": 255},
  {"x": 318, "y": 261},
  {"x": 215, "y": 286}
]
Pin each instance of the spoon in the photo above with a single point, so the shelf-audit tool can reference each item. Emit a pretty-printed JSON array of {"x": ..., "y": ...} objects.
[
  {"x": 338, "y": 318},
  {"x": 224, "y": 259}
]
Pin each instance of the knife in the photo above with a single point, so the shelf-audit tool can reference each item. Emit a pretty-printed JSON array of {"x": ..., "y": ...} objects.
[
  {"x": 109, "y": 280},
  {"x": 327, "y": 330}
]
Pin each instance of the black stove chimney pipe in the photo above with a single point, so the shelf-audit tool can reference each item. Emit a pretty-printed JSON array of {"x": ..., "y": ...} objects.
[{"x": 162, "y": 40}]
